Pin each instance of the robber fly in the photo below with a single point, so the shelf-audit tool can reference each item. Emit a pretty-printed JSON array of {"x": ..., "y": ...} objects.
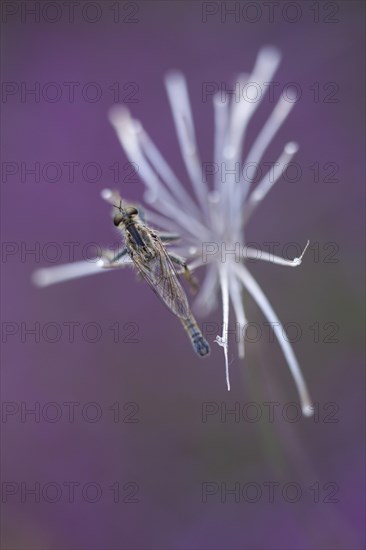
[{"x": 155, "y": 265}]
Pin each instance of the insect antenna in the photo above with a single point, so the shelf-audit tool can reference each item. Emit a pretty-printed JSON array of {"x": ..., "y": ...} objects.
[{"x": 120, "y": 206}]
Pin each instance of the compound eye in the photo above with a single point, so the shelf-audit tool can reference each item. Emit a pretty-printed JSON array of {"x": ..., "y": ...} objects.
[
  {"x": 131, "y": 211},
  {"x": 117, "y": 219}
]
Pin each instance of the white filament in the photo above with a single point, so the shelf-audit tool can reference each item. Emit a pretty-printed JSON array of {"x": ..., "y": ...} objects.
[
  {"x": 166, "y": 173},
  {"x": 271, "y": 127},
  {"x": 223, "y": 339},
  {"x": 253, "y": 253},
  {"x": 258, "y": 295},
  {"x": 238, "y": 305},
  {"x": 47, "y": 276},
  {"x": 271, "y": 177},
  {"x": 221, "y": 114},
  {"x": 177, "y": 90}
]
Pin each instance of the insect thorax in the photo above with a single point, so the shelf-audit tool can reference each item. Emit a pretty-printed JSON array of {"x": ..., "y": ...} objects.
[{"x": 139, "y": 241}]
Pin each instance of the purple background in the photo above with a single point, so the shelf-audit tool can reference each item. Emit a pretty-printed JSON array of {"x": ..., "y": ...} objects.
[{"x": 170, "y": 452}]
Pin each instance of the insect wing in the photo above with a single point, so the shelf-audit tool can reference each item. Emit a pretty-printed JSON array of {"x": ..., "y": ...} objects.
[{"x": 160, "y": 275}]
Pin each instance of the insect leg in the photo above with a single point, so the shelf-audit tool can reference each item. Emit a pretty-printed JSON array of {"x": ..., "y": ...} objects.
[
  {"x": 178, "y": 260},
  {"x": 168, "y": 237},
  {"x": 120, "y": 254},
  {"x": 111, "y": 258}
]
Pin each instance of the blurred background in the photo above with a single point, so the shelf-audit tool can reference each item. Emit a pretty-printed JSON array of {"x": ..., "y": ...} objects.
[{"x": 131, "y": 444}]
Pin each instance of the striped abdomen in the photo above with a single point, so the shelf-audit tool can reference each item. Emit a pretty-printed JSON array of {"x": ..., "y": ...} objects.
[{"x": 199, "y": 343}]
